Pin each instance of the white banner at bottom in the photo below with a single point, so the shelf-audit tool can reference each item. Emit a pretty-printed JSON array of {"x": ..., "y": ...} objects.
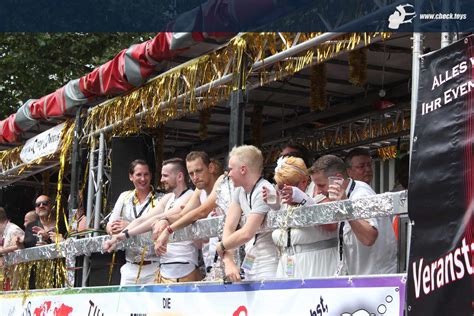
[{"x": 362, "y": 296}]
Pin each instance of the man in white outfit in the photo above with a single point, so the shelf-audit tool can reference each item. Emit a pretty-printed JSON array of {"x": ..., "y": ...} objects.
[
  {"x": 368, "y": 245},
  {"x": 129, "y": 206},
  {"x": 179, "y": 264},
  {"x": 261, "y": 260},
  {"x": 203, "y": 174}
]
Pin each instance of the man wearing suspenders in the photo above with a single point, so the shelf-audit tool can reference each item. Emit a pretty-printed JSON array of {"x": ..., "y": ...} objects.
[
  {"x": 367, "y": 246},
  {"x": 261, "y": 260}
]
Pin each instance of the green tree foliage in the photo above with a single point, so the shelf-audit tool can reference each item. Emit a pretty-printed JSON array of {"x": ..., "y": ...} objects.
[{"x": 35, "y": 64}]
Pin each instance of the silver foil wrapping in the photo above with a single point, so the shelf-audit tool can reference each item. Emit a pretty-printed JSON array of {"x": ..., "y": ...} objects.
[
  {"x": 224, "y": 194},
  {"x": 69, "y": 248},
  {"x": 370, "y": 207}
]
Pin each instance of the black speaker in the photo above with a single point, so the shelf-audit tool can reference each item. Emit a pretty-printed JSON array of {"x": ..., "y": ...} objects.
[
  {"x": 124, "y": 151},
  {"x": 100, "y": 273}
]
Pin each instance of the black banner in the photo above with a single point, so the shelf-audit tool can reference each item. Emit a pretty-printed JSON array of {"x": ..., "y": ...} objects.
[{"x": 441, "y": 188}]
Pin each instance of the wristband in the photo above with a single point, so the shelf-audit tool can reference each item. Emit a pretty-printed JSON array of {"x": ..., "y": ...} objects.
[
  {"x": 125, "y": 231},
  {"x": 170, "y": 230}
]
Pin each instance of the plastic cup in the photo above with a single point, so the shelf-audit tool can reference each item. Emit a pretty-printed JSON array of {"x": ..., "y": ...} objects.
[
  {"x": 334, "y": 181},
  {"x": 271, "y": 196}
]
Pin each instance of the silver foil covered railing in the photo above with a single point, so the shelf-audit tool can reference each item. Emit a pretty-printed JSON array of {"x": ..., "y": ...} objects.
[{"x": 386, "y": 204}]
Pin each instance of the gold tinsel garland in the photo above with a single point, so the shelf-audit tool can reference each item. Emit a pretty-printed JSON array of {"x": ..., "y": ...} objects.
[
  {"x": 204, "y": 117},
  {"x": 67, "y": 136},
  {"x": 358, "y": 67},
  {"x": 386, "y": 153},
  {"x": 325, "y": 141},
  {"x": 176, "y": 87},
  {"x": 10, "y": 158},
  {"x": 184, "y": 79},
  {"x": 256, "y": 122},
  {"x": 318, "y": 87},
  {"x": 48, "y": 274}
]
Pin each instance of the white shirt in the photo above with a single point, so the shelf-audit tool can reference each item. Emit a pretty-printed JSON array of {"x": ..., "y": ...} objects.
[
  {"x": 263, "y": 248},
  {"x": 381, "y": 257},
  {"x": 124, "y": 208},
  {"x": 181, "y": 258},
  {"x": 10, "y": 233}
]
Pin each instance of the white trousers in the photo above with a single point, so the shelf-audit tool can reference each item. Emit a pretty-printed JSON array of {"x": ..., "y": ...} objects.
[{"x": 129, "y": 272}]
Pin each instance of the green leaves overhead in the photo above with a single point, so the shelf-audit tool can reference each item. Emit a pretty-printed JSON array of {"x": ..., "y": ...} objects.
[{"x": 35, "y": 64}]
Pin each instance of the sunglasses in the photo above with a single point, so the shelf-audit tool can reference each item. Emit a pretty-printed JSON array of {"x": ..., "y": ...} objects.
[{"x": 41, "y": 203}]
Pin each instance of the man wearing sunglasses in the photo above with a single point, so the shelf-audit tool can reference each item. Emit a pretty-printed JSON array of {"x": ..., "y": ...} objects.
[{"x": 43, "y": 231}]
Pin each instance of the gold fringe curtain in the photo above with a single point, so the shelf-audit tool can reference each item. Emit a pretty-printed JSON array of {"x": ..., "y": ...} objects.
[
  {"x": 182, "y": 80},
  {"x": 386, "y": 153},
  {"x": 318, "y": 87},
  {"x": 204, "y": 117},
  {"x": 358, "y": 67},
  {"x": 10, "y": 158},
  {"x": 67, "y": 136},
  {"x": 48, "y": 274},
  {"x": 328, "y": 141}
]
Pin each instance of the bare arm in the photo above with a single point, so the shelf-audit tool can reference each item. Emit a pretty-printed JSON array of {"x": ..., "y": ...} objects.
[
  {"x": 246, "y": 233},
  {"x": 190, "y": 215},
  {"x": 194, "y": 202},
  {"x": 187, "y": 216},
  {"x": 232, "y": 220},
  {"x": 144, "y": 221},
  {"x": 8, "y": 249},
  {"x": 232, "y": 271},
  {"x": 365, "y": 233}
]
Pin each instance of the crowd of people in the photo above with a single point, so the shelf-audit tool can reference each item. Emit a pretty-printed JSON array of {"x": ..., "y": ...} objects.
[
  {"x": 194, "y": 190},
  {"x": 356, "y": 247}
]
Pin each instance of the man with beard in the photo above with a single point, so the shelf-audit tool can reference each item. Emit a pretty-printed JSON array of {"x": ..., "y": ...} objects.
[
  {"x": 203, "y": 175},
  {"x": 129, "y": 206},
  {"x": 43, "y": 231},
  {"x": 180, "y": 263}
]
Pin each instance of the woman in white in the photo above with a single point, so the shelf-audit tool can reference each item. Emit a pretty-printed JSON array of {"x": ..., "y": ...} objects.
[{"x": 304, "y": 252}]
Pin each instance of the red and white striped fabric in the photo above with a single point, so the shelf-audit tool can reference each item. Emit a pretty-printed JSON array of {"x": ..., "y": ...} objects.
[{"x": 133, "y": 66}]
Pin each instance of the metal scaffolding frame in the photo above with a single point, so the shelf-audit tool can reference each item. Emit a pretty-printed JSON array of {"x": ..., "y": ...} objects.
[
  {"x": 381, "y": 128},
  {"x": 97, "y": 172}
]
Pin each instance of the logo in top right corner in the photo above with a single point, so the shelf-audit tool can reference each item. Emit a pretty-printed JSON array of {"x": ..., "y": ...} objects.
[{"x": 404, "y": 13}]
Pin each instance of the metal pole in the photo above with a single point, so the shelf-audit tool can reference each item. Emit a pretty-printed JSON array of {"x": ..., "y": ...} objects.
[
  {"x": 90, "y": 196},
  {"x": 417, "y": 50},
  {"x": 100, "y": 169},
  {"x": 237, "y": 111},
  {"x": 445, "y": 26},
  {"x": 90, "y": 186},
  {"x": 75, "y": 167},
  {"x": 415, "y": 78}
]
